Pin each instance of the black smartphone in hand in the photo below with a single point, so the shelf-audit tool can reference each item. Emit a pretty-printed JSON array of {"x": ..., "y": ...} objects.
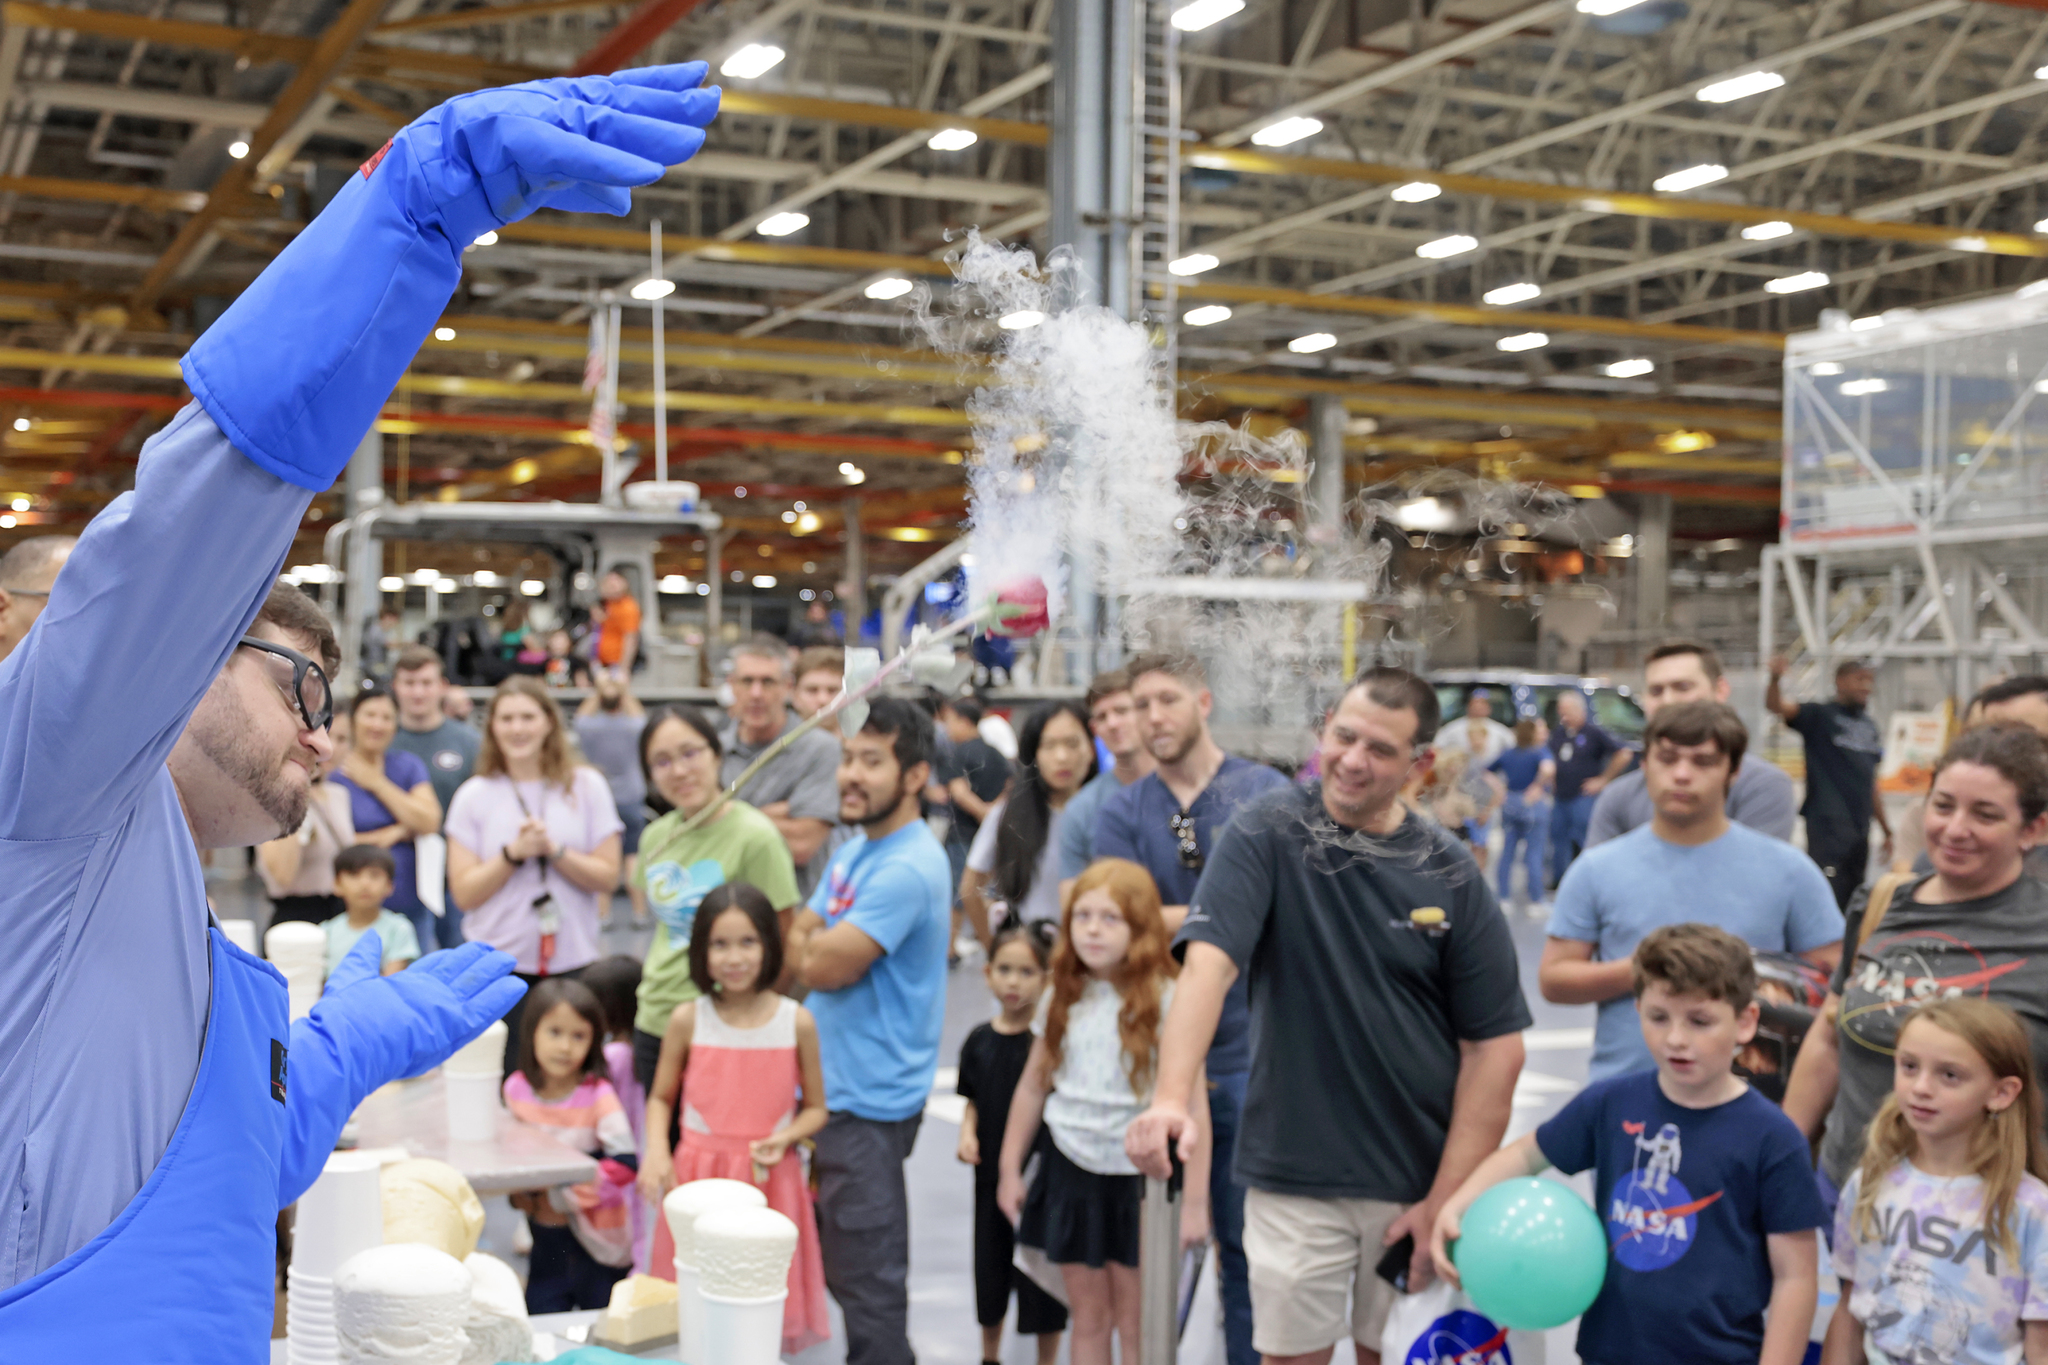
[{"x": 1393, "y": 1266}]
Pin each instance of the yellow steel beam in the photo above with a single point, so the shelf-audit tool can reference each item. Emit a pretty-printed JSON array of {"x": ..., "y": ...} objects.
[
  {"x": 493, "y": 14},
  {"x": 687, "y": 356},
  {"x": 463, "y": 386},
  {"x": 556, "y": 233},
  {"x": 484, "y": 322},
  {"x": 340, "y": 38},
  {"x": 881, "y": 116},
  {"x": 100, "y": 192},
  {"x": 1625, "y": 203},
  {"x": 1468, "y": 316}
]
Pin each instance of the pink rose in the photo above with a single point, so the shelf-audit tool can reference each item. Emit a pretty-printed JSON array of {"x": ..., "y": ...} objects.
[{"x": 1020, "y": 609}]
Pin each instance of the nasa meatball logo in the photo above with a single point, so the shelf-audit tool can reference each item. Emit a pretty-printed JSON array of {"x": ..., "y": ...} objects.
[
  {"x": 1460, "y": 1337},
  {"x": 1652, "y": 1218},
  {"x": 448, "y": 760}
]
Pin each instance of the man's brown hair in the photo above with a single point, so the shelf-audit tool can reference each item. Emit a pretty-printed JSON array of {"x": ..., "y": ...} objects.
[
  {"x": 821, "y": 659},
  {"x": 1696, "y": 959},
  {"x": 1700, "y": 722},
  {"x": 292, "y": 612},
  {"x": 1709, "y": 657},
  {"x": 414, "y": 657},
  {"x": 1106, "y": 685},
  {"x": 1180, "y": 667}
]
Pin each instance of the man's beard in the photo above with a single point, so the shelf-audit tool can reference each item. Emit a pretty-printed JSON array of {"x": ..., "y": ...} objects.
[
  {"x": 1184, "y": 744},
  {"x": 228, "y": 747},
  {"x": 875, "y": 813}
]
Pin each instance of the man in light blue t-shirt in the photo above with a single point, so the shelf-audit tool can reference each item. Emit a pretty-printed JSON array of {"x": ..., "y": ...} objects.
[
  {"x": 1690, "y": 863},
  {"x": 871, "y": 946}
]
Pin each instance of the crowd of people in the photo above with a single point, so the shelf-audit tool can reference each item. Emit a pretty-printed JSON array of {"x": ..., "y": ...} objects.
[{"x": 1305, "y": 989}]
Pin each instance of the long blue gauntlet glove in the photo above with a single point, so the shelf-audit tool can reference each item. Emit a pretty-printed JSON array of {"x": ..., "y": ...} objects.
[
  {"x": 369, "y": 1029},
  {"x": 296, "y": 370}
]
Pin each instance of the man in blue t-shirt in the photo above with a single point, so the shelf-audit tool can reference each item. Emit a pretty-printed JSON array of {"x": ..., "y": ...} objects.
[
  {"x": 1704, "y": 1185},
  {"x": 1691, "y": 862},
  {"x": 871, "y": 947},
  {"x": 1113, "y": 720},
  {"x": 1167, "y": 823},
  {"x": 1587, "y": 758}
]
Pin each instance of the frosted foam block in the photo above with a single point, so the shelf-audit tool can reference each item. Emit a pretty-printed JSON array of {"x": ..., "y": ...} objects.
[
  {"x": 483, "y": 1055},
  {"x": 497, "y": 1325},
  {"x": 744, "y": 1253},
  {"x": 687, "y": 1203},
  {"x": 401, "y": 1305},
  {"x": 429, "y": 1202},
  {"x": 295, "y": 944},
  {"x": 495, "y": 1286}
]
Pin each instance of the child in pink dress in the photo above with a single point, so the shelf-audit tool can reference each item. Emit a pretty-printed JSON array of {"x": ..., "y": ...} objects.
[{"x": 741, "y": 1056}]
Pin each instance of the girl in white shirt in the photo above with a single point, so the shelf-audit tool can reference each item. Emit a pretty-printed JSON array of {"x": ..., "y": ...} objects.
[{"x": 1090, "y": 1074}]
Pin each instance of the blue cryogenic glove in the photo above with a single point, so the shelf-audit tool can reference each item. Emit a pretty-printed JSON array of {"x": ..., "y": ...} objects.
[
  {"x": 296, "y": 369},
  {"x": 369, "y": 1029}
]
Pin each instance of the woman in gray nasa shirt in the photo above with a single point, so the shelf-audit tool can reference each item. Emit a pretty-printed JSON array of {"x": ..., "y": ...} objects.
[{"x": 1977, "y": 926}]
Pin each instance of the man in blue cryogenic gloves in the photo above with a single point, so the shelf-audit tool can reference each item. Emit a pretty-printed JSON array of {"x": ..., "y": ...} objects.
[{"x": 156, "y": 1110}]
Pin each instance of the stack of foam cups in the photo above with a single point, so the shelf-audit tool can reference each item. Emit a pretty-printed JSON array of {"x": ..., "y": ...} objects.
[
  {"x": 472, "y": 1078},
  {"x": 743, "y": 1258},
  {"x": 299, "y": 952},
  {"x": 241, "y": 933},
  {"x": 683, "y": 1207},
  {"x": 341, "y": 1215}
]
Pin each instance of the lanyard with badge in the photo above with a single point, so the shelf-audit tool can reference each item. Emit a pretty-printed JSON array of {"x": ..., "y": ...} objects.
[{"x": 544, "y": 906}]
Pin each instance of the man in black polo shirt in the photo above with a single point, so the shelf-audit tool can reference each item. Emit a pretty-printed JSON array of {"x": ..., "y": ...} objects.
[
  {"x": 1588, "y": 758},
  {"x": 1843, "y": 749},
  {"x": 1386, "y": 1012}
]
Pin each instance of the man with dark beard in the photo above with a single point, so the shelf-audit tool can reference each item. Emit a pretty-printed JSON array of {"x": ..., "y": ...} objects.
[{"x": 157, "y": 1105}]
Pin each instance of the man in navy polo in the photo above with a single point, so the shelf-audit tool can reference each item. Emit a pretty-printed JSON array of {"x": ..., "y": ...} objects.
[
  {"x": 1588, "y": 758},
  {"x": 1167, "y": 822}
]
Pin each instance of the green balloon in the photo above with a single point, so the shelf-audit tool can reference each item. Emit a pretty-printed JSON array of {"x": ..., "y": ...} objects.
[{"x": 1530, "y": 1253}]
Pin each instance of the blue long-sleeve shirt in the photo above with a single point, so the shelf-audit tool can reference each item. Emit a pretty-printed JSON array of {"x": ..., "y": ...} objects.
[{"x": 104, "y": 984}]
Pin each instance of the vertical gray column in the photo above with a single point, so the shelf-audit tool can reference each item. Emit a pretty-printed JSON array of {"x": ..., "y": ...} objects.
[
  {"x": 714, "y": 604},
  {"x": 1091, "y": 161},
  {"x": 363, "y": 489},
  {"x": 1325, "y": 500},
  {"x": 856, "y": 575},
  {"x": 1653, "y": 565}
]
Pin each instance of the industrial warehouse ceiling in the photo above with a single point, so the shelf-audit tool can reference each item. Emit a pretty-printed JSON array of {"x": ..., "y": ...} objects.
[{"x": 1559, "y": 241}]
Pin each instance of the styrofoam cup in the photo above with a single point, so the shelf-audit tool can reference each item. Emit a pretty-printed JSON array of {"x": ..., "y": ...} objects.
[
  {"x": 342, "y": 1214},
  {"x": 741, "y": 1331},
  {"x": 241, "y": 933},
  {"x": 472, "y": 1106},
  {"x": 689, "y": 1316}
]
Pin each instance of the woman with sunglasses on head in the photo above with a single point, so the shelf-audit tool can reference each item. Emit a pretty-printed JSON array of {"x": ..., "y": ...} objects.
[
  {"x": 1015, "y": 854},
  {"x": 391, "y": 798}
]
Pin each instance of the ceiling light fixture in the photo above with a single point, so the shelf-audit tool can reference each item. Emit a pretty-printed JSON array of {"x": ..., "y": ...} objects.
[
  {"x": 1691, "y": 178},
  {"x": 1523, "y": 341},
  {"x": 1455, "y": 245},
  {"x": 1634, "y": 368},
  {"x": 647, "y": 291},
  {"x": 488, "y": 239},
  {"x": 1519, "y": 292},
  {"x": 1416, "y": 192},
  {"x": 238, "y": 149},
  {"x": 764, "y": 580},
  {"x": 391, "y": 583},
  {"x": 444, "y": 334},
  {"x": 1863, "y": 388},
  {"x": 1208, "y": 315},
  {"x": 1020, "y": 320},
  {"x": 1825, "y": 368},
  {"x": 1193, "y": 264},
  {"x": 783, "y": 224},
  {"x": 755, "y": 59},
  {"x": 1313, "y": 342},
  {"x": 1602, "y": 8},
  {"x": 952, "y": 139},
  {"x": 890, "y": 287},
  {"x": 1204, "y": 14},
  {"x": 1740, "y": 87},
  {"x": 1765, "y": 232},
  {"x": 533, "y": 587},
  {"x": 1287, "y": 131},
  {"x": 1794, "y": 284}
]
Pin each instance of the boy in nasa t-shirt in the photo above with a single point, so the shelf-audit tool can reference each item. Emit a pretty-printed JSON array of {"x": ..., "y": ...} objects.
[{"x": 1705, "y": 1187}]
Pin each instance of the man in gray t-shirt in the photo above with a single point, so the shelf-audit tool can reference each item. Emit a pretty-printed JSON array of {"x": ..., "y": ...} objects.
[
  {"x": 608, "y": 727},
  {"x": 1761, "y": 796},
  {"x": 448, "y": 748},
  {"x": 799, "y": 789}
]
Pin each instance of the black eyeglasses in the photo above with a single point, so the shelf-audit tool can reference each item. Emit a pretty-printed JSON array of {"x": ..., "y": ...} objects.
[
  {"x": 309, "y": 686},
  {"x": 1183, "y": 827}
]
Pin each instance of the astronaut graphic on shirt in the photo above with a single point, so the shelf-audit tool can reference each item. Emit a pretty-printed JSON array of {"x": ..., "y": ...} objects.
[{"x": 1664, "y": 1153}]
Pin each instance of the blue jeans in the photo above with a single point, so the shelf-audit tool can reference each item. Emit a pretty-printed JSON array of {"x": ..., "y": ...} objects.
[
  {"x": 1570, "y": 818},
  {"x": 1522, "y": 824},
  {"x": 1226, "y": 1210}
]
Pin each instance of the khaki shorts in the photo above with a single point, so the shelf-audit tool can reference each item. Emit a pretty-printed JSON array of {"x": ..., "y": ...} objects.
[{"x": 1309, "y": 1258}]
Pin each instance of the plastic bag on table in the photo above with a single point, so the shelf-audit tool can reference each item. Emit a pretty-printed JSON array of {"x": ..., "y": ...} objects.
[{"x": 1439, "y": 1326}]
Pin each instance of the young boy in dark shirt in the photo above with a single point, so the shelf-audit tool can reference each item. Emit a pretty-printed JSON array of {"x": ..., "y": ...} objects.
[{"x": 1704, "y": 1185}]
